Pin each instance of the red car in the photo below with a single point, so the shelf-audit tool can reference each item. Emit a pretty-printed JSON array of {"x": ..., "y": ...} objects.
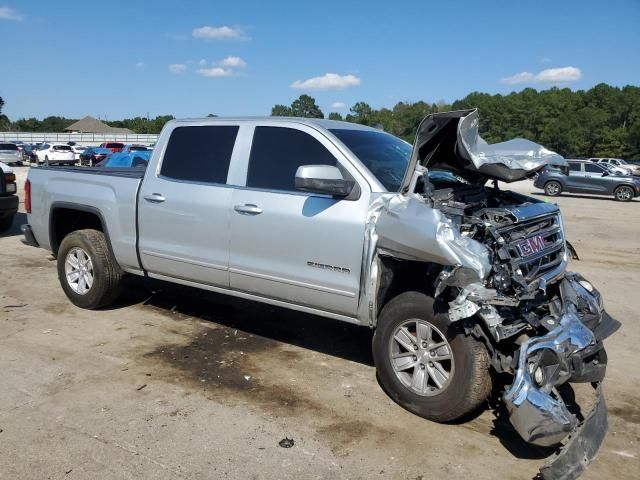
[{"x": 115, "y": 147}]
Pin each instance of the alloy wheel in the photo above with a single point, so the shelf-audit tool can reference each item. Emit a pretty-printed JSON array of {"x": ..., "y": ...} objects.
[
  {"x": 78, "y": 269},
  {"x": 421, "y": 357}
]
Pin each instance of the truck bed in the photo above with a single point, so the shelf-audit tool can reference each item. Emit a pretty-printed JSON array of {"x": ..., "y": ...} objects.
[{"x": 108, "y": 192}]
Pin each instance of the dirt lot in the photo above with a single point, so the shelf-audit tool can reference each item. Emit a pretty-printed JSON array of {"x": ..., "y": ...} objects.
[{"x": 179, "y": 383}]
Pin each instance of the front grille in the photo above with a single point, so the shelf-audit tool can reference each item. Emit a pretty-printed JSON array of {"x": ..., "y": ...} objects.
[{"x": 543, "y": 242}]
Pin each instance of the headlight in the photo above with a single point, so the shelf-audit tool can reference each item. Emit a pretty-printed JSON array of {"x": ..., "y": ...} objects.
[{"x": 586, "y": 285}]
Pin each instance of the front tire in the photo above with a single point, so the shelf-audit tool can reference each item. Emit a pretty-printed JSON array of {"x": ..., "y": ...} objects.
[
  {"x": 623, "y": 194},
  {"x": 427, "y": 364},
  {"x": 553, "y": 188},
  {"x": 87, "y": 271}
]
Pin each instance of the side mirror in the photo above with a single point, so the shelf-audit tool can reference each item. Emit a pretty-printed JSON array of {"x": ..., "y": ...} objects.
[
  {"x": 324, "y": 179},
  {"x": 605, "y": 174}
]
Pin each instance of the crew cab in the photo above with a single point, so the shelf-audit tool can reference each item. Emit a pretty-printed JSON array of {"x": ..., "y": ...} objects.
[
  {"x": 8, "y": 197},
  {"x": 459, "y": 278}
]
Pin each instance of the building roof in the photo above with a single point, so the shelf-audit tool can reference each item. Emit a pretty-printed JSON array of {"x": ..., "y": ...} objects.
[{"x": 92, "y": 125}]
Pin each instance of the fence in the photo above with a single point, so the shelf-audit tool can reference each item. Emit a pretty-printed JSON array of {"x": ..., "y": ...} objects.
[{"x": 79, "y": 138}]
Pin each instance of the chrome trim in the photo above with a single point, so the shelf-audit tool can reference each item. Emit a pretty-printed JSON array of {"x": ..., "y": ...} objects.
[{"x": 185, "y": 260}]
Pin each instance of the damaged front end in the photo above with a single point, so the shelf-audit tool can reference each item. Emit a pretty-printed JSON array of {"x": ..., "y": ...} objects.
[{"x": 499, "y": 262}]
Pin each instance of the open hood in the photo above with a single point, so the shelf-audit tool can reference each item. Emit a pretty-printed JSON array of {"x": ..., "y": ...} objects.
[{"x": 450, "y": 141}]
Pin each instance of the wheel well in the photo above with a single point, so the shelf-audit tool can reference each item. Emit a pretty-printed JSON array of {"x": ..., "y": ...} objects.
[
  {"x": 554, "y": 181},
  {"x": 67, "y": 220},
  {"x": 622, "y": 185},
  {"x": 398, "y": 276}
]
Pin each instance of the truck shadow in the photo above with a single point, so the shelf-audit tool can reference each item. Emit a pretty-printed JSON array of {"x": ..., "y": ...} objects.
[{"x": 331, "y": 337}]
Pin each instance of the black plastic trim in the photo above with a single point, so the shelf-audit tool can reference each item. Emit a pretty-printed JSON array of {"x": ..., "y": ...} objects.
[{"x": 81, "y": 208}]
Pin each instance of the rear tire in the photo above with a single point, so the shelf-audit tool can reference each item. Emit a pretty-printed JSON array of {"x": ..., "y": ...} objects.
[
  {"x": 553, "y": 188},
  {"x": 101, "y": 273},
  {"x": 468, "y": 384},
  {"x": 623, "y": 194}
]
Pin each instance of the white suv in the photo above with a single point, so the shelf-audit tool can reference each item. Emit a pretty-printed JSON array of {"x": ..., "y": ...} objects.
[
  {"x": 631, "y": 169},
  {"x": 56, "y": 153}
]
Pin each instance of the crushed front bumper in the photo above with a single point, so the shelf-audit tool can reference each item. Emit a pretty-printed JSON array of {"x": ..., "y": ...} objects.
[{"x": 571, "y": 351}]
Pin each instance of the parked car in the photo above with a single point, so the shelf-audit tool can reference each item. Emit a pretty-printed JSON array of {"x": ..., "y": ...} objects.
[
  {"x": 113, "y": 146},
  {"x": 134, "y": 148},
  {"x": 631, "y": 168},
  {"x": 77, "y": 151},
  {"x": 135, "y": 159},
  {"x": 28, "y": 153},
  {"x": 56, "y": 153},
  {"x": 458, "y": 279},
  {"x": 10, "y": 154},
  {"x": 8, "y": 197},
  {"x": 94, "y": 155},
  {"x": 584, "y": 176}
]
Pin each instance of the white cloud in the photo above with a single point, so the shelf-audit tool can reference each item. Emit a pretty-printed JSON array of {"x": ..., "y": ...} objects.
[
  {"x": 139, "y": 65},
  {"x": 215, "y": 72},
  {"x": 219, "y": 33},
  {"x": 177, "y": 67},
  {"x": 521, "y": 77},
  {"x": 8, "y": 13},
  {"x": 329, "y": 81},
  {"x": 338, "y": 105},
  {"x": 550, "y": 75},
  {"x": 234, "y": 62},
  {"x": 559, "y": 75},
  {"x": 202, "y": 62}
]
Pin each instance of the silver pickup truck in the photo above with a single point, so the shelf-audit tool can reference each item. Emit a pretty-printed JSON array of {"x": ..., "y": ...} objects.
[{"x": 463, "y": 282}]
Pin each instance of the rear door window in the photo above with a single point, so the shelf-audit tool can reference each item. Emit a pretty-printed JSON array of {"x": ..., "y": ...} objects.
[
  {"x": 276, "y": 154},
  {"x": 200, "y": 153},
  {"x": 593, "y": 168},
  {"x": 574, "y": 167}
]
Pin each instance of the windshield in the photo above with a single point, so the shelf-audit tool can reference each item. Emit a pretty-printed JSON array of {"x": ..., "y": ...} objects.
[{"x": 384, "y": 155}]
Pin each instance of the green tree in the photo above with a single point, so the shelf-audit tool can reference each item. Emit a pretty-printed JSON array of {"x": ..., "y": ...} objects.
[
  {"x": 305, "y": 106},
  {"x": 281, "y": 111},
  {"x": 335, "y": 116},
  {"x": 361, "y": 112}
]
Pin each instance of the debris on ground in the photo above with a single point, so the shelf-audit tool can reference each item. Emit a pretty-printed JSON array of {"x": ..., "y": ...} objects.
[
  {"x": 141, "y": 387},
  {"x": 286, "y": 442}
]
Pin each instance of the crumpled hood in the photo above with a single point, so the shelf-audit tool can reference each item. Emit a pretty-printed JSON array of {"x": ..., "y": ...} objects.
[{"x": 450, "y": 141}]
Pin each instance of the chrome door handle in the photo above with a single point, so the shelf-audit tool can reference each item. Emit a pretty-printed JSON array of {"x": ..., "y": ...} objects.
[
  {"x": 248, "y": 209},
  {"x": 155, "y": 198}
]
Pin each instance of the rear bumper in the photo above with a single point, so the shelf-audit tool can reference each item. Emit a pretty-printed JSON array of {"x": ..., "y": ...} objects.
[
  {"x": 29, "y": 237},
  {"x": 8, "y": 205}
]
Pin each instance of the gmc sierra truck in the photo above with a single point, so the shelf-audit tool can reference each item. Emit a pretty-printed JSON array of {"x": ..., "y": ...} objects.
[{"x": 460, "y": 279}]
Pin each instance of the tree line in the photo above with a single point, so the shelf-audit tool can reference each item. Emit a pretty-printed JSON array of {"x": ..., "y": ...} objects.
[{"x": 603, "y": 121}]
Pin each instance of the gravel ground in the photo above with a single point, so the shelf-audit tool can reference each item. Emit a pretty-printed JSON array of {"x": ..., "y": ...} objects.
[{"x": 178, "y": 383}]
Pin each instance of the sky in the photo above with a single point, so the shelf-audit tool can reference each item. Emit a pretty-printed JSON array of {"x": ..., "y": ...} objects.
[{"x": 120, "y": 59}]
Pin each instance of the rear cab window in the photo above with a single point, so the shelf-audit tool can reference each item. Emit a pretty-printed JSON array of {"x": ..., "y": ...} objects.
[
  {"x": 276, "y": 154},
  {"x": 200, "y": 154}
]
